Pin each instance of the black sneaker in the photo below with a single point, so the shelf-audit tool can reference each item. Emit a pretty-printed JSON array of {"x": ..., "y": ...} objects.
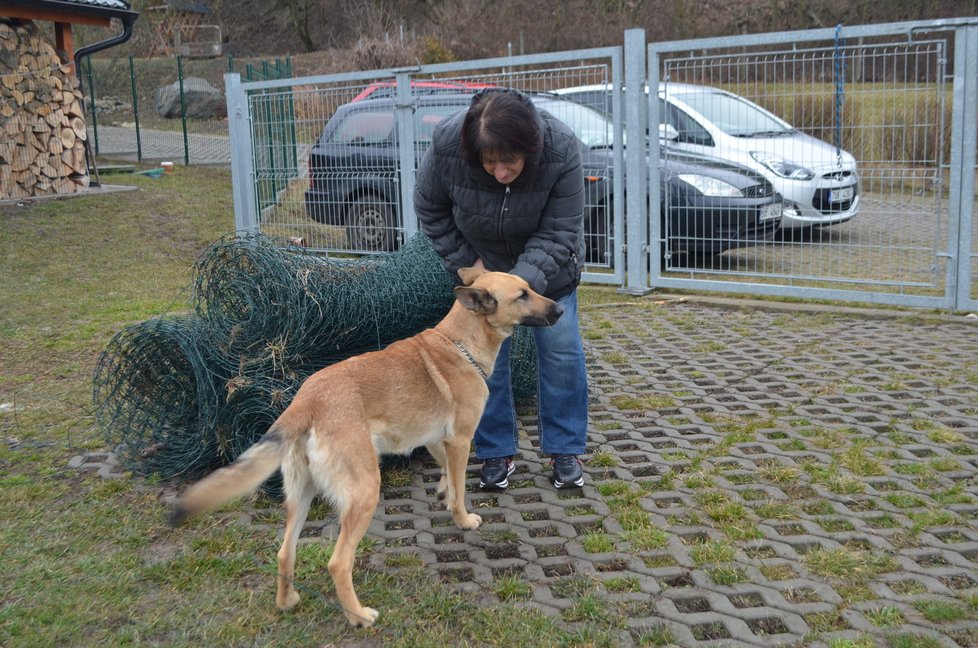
[
  {"x": 568, "y": 471},
  {"x": 495, "y": 472}
]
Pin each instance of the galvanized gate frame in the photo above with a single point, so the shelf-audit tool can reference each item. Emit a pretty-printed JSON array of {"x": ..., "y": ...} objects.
[
  {"x": 242, "y": 137},
  {"x": 963, "y": 143},
  {"x": 962, "y": 266}
]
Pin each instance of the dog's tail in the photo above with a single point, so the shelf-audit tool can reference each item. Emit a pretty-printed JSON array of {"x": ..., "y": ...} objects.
[{"x": 245, "y": 474}]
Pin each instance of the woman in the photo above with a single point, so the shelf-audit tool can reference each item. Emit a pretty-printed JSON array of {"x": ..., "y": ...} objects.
[{"x": 502, "y": 186}]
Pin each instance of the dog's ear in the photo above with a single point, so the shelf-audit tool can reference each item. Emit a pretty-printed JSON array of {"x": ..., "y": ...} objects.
[
  {"x": 477, "y": 300},
  {"x": 468, "y": 275}
]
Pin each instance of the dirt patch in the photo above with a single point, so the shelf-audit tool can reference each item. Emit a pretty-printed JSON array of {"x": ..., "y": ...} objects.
[{"x": 160, "y": 552}]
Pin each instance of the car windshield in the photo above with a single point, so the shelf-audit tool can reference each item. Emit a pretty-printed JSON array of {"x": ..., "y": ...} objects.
[
  {"x": 365, "y": 127},
  {"x": 733, "y": 115},
  {"x": 597, "y": 99},
  {"x": 373, "y": 127},
  {"x": 427, "y": 117},
  {"x": 590, "y": 126}
]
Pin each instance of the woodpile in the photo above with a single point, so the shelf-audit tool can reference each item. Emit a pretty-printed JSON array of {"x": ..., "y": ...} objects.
[{"x": 42, "y": 123}]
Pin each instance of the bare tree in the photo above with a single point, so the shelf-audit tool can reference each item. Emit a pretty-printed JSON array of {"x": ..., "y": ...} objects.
[
  {"x": 463, "y": 26},
  {"x": 299, "y": 15}
]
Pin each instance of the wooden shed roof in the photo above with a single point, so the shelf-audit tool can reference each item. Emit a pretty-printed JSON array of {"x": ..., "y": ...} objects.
[{"x": 91, "y": 12}]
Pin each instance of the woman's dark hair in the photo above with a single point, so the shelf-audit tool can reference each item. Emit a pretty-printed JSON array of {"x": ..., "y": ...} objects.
[{"x": 500, "y": 121}]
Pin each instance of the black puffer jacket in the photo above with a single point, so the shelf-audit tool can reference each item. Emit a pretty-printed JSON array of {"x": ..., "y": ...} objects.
[{"x": 532, "y": 228}]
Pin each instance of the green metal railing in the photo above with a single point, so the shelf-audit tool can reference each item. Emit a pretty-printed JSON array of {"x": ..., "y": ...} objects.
[
  {"x": 275, "y": 144},
  {"x": 118, "y": 89}
]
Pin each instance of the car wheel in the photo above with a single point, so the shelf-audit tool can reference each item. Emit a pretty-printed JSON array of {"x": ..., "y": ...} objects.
[{"x": 370, "y": 225}]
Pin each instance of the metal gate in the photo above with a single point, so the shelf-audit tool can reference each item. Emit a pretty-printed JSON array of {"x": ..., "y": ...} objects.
[
  {"x": 871, "y": 146},
  {"x": 864, "y": 189},
  {"x": 358, "y": 137}
]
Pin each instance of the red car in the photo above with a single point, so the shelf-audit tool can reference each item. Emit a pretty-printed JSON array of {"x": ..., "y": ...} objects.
[{"x": 387, "y": 89}]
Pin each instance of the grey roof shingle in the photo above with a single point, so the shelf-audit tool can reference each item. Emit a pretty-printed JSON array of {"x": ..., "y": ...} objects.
[
  {"x": 109, "y": 4},
  {"x": 192, "y": 6},
  {"x": 111, "y": 8}
]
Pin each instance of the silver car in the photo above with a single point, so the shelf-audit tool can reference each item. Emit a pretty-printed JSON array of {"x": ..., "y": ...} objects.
[{"x": 818, "y": 181}]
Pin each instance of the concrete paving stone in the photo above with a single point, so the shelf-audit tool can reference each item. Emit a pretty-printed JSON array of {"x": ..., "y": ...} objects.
[
  {"x": 858, "y": 621},
  {"x": 800, "y": 599},
  {"x": 922, "y": 631},
  {"x": 766, "y": 626},
  {"x": 801, "y": 592},
  {"x": 957, "y": 539},
  {"x": 911, "y": 584},
  {"x": 104, "y": 464},
  {"x": 936, "y": 561},
  {"x": 684, "y": 636},
  {"x": 887, "y": 403},
  {"x": 963, "y": 635}
]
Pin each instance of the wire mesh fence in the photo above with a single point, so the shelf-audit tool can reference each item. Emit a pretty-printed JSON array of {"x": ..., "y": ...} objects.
[
  {"x": 164, "y": 108},
  {"x": 787, "y": 164},
  {"x": 339, "y": 184},
  {"x": 854, "y": 137},
  {"x": 857, "y": 133}
]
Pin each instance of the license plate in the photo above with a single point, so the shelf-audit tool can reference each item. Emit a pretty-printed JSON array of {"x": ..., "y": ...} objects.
[
  {"x": 840, "y": 195},
  {"x": 770, "y": 212}
]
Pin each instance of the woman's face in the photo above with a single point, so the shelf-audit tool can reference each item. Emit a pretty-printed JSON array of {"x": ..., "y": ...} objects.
[{"x": 504, "y": 169}]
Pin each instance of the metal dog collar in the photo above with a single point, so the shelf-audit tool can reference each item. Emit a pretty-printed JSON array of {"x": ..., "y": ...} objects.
[{"x": 468, "y": 356}]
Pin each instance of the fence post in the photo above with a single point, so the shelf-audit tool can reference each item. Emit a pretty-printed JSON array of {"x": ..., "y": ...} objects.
[
  {"x": 404, "y": 118},
  {"x": 135, "y": 108},
  {"x": 961, "y": 200},
  {"x": 636, "y": 183},
  {"x": 281, "y": 180},
  {"x": 268, "y": 165},
  {"x": 242, "y": 165},
  {"x": 293, "y": 136},
  {"x": 183, "y": 112}
]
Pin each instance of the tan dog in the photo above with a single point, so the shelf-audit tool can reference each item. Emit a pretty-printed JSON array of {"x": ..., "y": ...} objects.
[{"x": 427, "y": 390}]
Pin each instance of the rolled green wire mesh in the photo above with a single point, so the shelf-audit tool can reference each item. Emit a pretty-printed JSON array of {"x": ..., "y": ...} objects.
[
  {"x": 157, "y": 398},
  {"x": 180, "y": 395}
]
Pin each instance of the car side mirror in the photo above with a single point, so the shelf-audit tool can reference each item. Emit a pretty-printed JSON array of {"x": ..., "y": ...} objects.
[{"x": 668, "y": 132}]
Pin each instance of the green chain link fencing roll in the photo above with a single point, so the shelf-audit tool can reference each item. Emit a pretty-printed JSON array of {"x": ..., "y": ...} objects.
[{"x": 180, "y": 395}]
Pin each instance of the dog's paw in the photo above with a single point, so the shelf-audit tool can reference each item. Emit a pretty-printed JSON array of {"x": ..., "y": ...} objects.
[
  {"x": 468, "y": 521},
  {"x": 288, "y": 601},
  {"x": 362, "y": 619}
]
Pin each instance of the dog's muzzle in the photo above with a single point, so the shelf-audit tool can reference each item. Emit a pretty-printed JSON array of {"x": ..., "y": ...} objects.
[{"x": 548, "y": 319}]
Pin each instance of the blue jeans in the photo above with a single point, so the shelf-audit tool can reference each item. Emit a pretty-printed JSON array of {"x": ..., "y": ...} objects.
[{"x": 562, "y": 389}]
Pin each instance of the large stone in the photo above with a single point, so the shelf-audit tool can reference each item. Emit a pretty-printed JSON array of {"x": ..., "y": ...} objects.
[{"x": 200, "y": 98}]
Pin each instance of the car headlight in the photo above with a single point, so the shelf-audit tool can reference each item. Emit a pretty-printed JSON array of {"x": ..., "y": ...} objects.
[
  {"x": 710, "y": 186},
  {"x": 782, "y": 167}
]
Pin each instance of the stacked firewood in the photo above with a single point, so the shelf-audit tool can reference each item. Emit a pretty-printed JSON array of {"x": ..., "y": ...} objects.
[{"x": 42, "y": 123}]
